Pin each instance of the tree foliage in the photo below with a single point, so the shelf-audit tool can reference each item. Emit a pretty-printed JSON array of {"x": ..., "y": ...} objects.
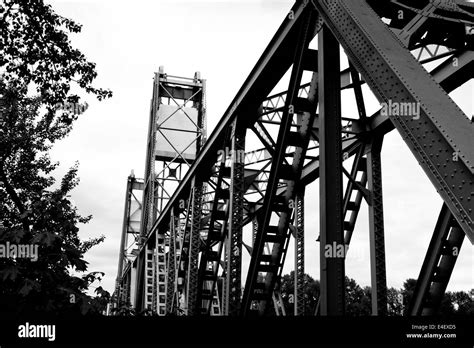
[
  {"x": 358, "y": 299},
  {"x": 38, "y": 69},
  {"x": 311, "y": 293}
]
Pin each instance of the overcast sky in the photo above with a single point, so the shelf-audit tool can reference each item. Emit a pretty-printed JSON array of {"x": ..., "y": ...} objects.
[{"x": 222, "y": 40}]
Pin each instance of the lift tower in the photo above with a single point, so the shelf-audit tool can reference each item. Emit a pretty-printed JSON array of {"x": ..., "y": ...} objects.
[{"x": 176, "y": 134}]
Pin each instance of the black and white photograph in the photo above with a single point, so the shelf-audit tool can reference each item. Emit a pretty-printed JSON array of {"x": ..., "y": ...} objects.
[{"x": 195, "y": 173}]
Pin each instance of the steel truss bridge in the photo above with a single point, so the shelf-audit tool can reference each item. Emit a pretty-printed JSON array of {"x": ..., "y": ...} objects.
[{"x": 182, "y": 247}]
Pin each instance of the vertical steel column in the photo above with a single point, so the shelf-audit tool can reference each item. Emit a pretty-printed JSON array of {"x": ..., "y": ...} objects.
[
  {"x": 331, "y": 202},
  {"x": 138, "y": 283},
  {"x": 236, "y": 216},
  {"x": 154, "y": 292},
  {"x": 171, "y": 269},
  {"x": 136, "y": 296},
  {"x": 216, "y": 303},
  {"x": 126, "y": 290},
  {"x": 149, "y": 206},
  {"x": 183, "y": 261},
  {"x": 195, "y": 239},
  {"x": 160, "y": 264},
  {"x": 376, "y": 229},
  {"x": 225, "y": 280},
  {"x": 149, "y": 278},
  {"x": 144, "y": 267},
  {"x": 118, "y": 281},
  {"x": 299, "y": 255},
  {"x": 202, "y": 109}
]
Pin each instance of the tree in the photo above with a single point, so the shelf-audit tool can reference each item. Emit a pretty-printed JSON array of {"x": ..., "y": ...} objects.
[
  {"x": 463, "y": 302},
  {"x": 311, "y": 293},
  {"x": 394, "y": 301},
  {"x": 35, "y": 49},
  {"x": 357, "y": 299},
  {"x": 36, "y": 55},
  {"x": 407, "y": 293}
]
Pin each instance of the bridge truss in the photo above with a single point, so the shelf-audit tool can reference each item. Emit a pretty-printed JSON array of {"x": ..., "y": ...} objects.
[{"x": 268, "y": 147}]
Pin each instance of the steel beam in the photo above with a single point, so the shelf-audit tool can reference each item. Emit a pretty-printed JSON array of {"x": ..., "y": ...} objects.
[
  {"x": 376, "y": 229},
  {"x": 171, "y": 282},
  {"x": 331, "y": 204},
  {"x": 299, "y": 275},
  {"x": 159, "y": 291},
  {"x": 194, "y": 246},
  {"x": 267, "y": 266},
  {"x": 131, "y": 225},
  {"x": 216, "y": 236},
  {"x": 236, "y": 209},
  {"x": 438, "y": 265},
  {"x": 183, "y": 261}
]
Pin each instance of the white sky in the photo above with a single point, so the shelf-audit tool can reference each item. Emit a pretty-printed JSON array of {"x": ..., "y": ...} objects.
[{"x": 222, "y": 40}]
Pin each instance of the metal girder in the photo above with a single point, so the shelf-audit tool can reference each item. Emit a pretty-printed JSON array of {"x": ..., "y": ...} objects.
[
  {"x": 194, "y": 246},
  {"x": 438, "y": 265},
  {"x": 183, "y": 262},
  {"x": 376, "y": 229},
  {"x": 268, "y": 265},
  {"x": 428, "y": 22},
  {"x": 140, "y": 280},
  {"x": 355, "y": 191},
  {"x": 148, "y": 214},
  {"x": 411, "y": 31},
  {"x": 439, "y": 131},
  {"x": 131, "y": 225},
  {"x": 351, "y": 206},
  {"x": 448, "y": 75},
  {"x": 160, "y": 276},
  {"x": 455, "y": 71},
  {"x": 299, "y": 275},
  {"x": 171, "y": 282},
  {"x": 332, "y": 270},
  {"x": 236, "y": 214},
  {"x": 210, "y": 258}
]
